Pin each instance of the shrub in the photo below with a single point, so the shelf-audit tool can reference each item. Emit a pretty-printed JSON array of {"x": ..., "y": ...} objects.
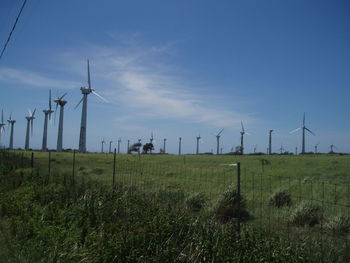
[
  {"x": 280, "y": 198},
  {"x": 338, "y": 225},
  {"x": 195, "y": 202},
  {"x": 306, "y": 214},
  {"x": 230, "y": 206}
]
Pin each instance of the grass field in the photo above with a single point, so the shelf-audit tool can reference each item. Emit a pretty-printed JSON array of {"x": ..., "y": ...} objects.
[{"x": 170, "y": 181}]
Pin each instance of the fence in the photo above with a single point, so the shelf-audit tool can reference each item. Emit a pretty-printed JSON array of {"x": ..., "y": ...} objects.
[{"x": 298, "y": 209}]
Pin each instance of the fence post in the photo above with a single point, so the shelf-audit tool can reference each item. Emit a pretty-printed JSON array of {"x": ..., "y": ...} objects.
[
  {"x": 114, "y": 162},
  {"x": 239, "y": 198},
  {"x": 32, "y": 161},
  {"x": 73, "y": 171}
]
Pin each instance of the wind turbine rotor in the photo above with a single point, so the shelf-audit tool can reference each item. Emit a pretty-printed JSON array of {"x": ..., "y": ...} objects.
[
  {"x": 309, "y": 131},
  {"x": 98, "y": 95},
  {"x": 220, "y": 132},
  {"x": 297, "y": 129}
]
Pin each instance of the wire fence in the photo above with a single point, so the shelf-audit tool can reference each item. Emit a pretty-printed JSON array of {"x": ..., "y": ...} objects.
[{"x": 298, "y": 209}]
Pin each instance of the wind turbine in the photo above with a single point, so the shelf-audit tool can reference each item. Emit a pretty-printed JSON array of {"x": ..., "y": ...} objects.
[
  {"x": 281, "y": 149},
  {"x": 331, "y": 147},
  {"x": 110, "y": 146},
  {"x": 180, "y": 145},
  {"x": 164, "y": 142},
  {"x": 256, "y": 146},
  {"x": 242, "y": 135},
  {"x": 198, "y": 138},
  {"x": 270, "y": 141},
  {"x": 47, "y": 113},
  {"x": 316, "y": 145},
  {"x": 303, "y": 127},
  {"x": 12, "y": 124},
  {"x": 60, "y": 102},
  {"x": 218, "y": 140},
  {"x": 85, "y": 91},
  {"x": 119, "y": 141},
  {"x": 30, "y": 118},
  {"x": 2, "y": 125},
  {"x": 102, "y": 142},
  {"x": 128, "y": 146}
]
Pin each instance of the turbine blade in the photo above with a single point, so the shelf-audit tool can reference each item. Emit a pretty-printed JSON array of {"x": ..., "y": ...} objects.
[
  {"x": 29, "y": 112},
  {"x": 242, "y": 126},
  {"x": 33, "y": 112},
  {"x": 304, "y": 119},
  {"x": 309, "y": 131},
  {"x": 297, "y": 129},
  {"x": 88, "y": 71},
  {"x": 2, "y": 116},
  {"x": 79, "y": 103},
  {"x": 220, "y": 132},
  {"x": 50, "y": 106},
  {"x": 63, "y": 96},
  {"x": 98, "y": 95}
]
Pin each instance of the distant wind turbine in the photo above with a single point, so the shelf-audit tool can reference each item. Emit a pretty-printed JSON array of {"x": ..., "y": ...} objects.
[
  {"x": 85, "y": 91},
  {"x": 332, "y": 146},
  {"x": 110, "y": 146},
  {"x": 242, "y": 138},
  {"x": 198, "y": 138},
  {"x": 47, "y": 113},
  {"x": 128, "y": 146},
  {"x": 218, "y": 141},
  {"x": 151, "y": 141},
  {"x": 2, "y": 125},
  {"x": 30, "y": 118},
  {"x": 316, "y": 145},
  {"x": 180, "y": 139},
  {"x": 270, "y": 141},
  {"x": 102, "y": 144},
  {"x": 12, "y": 124},
  {"x": 303, "y": 128},
  {"x": 164, "y": 144},
  {"x": 281, "y": 149},
  {"x": 119, "y": 142},
  {"x": 60, "y": 102}
]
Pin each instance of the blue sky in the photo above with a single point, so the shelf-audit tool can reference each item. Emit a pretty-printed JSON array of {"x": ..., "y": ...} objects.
[{"x": 179, "y": 68}]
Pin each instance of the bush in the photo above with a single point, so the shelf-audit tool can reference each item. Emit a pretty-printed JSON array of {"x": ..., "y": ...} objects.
[
  {"x": 338, "y": 225},
  {"x": 195, "y": 202},
  {"x": 230, "y": 206},
  {"x": 280, "y": 198},
  {"x": 306, "y": 214}
]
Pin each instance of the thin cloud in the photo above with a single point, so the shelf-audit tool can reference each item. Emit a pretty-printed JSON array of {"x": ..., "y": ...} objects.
[{"x": 33, "y": 79}]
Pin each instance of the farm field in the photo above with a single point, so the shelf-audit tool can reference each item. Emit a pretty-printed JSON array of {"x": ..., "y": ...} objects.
[{"x": 320, "y": 180}]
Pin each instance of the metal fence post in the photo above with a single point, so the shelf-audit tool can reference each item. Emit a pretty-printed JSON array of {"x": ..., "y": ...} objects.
[
  {"x": 32, "y": 161},
  {"x": 114, "y": 161},
  {"x": 239, "y": 199}
]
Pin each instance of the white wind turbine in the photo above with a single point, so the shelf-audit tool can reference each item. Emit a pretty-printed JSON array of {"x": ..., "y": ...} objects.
[
  {"x": 2, "y": 125},
  {"x": 303, "y": 128},
  {"x": 47, "y": 113},
  {"x": 85, "y": 91},
  {"x": 12, "y": 124},
  {"x": 218, "y": 140},
  {"x": 30, "y": 118},
  {"x": 60, "y": 102}
]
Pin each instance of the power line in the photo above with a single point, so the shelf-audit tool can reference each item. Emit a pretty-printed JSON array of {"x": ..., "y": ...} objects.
[{"x": 13, "y": 29}]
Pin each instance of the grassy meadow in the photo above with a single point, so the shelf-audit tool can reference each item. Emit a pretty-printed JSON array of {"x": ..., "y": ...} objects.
[{"x": 160, "y": 194}]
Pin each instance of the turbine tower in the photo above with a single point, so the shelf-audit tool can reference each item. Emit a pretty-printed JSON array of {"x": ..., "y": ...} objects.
[
  {"x": 303, "y": 128},
  {"x": 30, "y": 118},
  {"x": 102, "y": 142},
  {"x": 85, "y": 91},
  {"x": 60, "y": 102},
  {"x": 128, "y": 146},
  {"x": 270, "y": 141},
  {"x": 198, "y": 138},
  {"x": 331, "y": 147},
  {"x": 164, "y": 143},
  {"x": 110, "y": 146},
  {"x": 138, "y": 150},
  {"x": 2, "y": 125},
  {"x": 12, "y": 124},
  {"x": 47, "y": 113},
  {"x": 119, "y": 141},
  {"x": 180, "y": 145},
  {"x": 281, "y": 149},
  {"x": 218, "y": 141},
  {"x": 242, "y": 138}
]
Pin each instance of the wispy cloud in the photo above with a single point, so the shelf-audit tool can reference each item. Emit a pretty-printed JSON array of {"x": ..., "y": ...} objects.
[{"x": 33, "y": 79}]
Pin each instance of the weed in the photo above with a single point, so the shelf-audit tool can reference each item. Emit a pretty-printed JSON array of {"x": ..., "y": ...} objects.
[
  {"x": 339, "y": 225},
  {"x": 306, "y": 214},
  {"x": 280, "y": 198},
  {"x": 195, "y": 202}
]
